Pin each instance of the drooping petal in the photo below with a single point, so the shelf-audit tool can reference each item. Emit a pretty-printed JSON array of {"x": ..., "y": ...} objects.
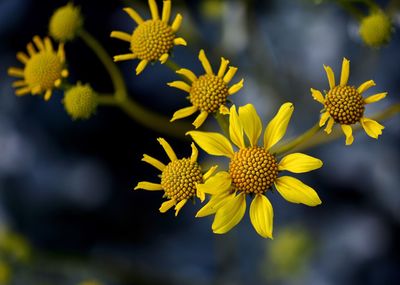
[
  {"x": 212, "y": 143},
  {"x": 317, "y": 95},
  {"x": 295, "y": 191},
  {"x": 148, "y": 186},
  {"x": 371, "y": 127},
  {"x": 375, "y": 98},
  {"x": 176, "y": 23},
  {"x": 330, "y": 75},
  {"x": 195, "y": 153},
  {"x": 200, "y": 119},
  {"x": 215, "y": 202},
  {"x": 141, "y": 66},
  {"x": 121, "y": 36},
  {"x": 183, "y": 113},
  {"x": 180, "y": 85},
  {"x": 167, "y": 205},
  {"x": 276, "y": 128},
  {"x": 328, "y": 128},
  {"x": 187, "y": 73},
  {"x": 299, "y": 163},
  {"x": 153, "y": 162},
  {"x": 204, "y": 61},
  {"x": 324, "y": 117},
  {"x": 168, "y": 149},
  {"x": 134, "y": 15},
  {"x": 348, "y": 132},
  {"x": 217, "y": 184},
  {"x": 251, "y": 123},
  {"x": 365, "y": 86},
  {"x": 344, "y": 76},
  {"x": 179, "y": 206},
  {"x": 261, "y": 215},
  {"x": 154, "y": 9},
  {"x": 47, "y": 94},
  {"x": 222, "y": 67},
  {"x": 179, "y": 42},
  {"x": 235, "y": 128},
  {"x": 166, "y": 11},
  {"x": 236, "y": 87},
  {"x": 230, "y": 214},
  {"x": 163, "y": 59}
]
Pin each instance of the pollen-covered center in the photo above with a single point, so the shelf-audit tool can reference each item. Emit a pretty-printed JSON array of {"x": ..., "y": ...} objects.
[
  {"x": 179, "y": 179},
  {"x": 43, "y": 69},
  {"x": 345, "y": 104},
  {"x": 253, "y": 170},
  {"x": 151, "y": 39},
  {"x": 208, "y": 93}
]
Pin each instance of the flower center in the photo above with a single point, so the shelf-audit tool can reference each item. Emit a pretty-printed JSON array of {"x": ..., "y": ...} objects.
[
  {"x": 208, "y": 93},
  {"x": 179, "y": 179},
  {"x": 151, "y": 39},
  {"x": 253, "y": 170},
  {"x": 43, "y": 69},
  {"x": 345, "y": 104}
]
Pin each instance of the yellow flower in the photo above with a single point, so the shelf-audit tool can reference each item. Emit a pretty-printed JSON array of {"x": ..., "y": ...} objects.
[
  {"x": 44, "y": 68},
  {"x": 65, "y": 23},
  {"x": 253, "y": 170},
  {"x": 376, "y": 29},
  {"x": 208, "y": 93},
  {"x": 80, "y": 101},
  {"x": 152, "y": 39},
  {"x": 90, "y": 282},
  {"x": 178, "y": 178},
  {"x": 344, "y": 104}
]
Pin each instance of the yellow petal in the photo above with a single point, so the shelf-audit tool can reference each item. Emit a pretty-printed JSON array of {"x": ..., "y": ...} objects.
[
  {"x": 122, "y": 57},
  {"x": 48, "y": 45},
  {"x": 230, "y": 214},
  {"x": 47, "y": 94},
  {"x": 324, "y": 117},
  {"x": 230, "y": 74},
  {"x": 317, "y": 95},
  {"x": 167, "y": 205},
  {"x": 180, "y": 85},
  {"x": 183, "y": 113},
  {"x": 166, "y": 11},
  {"x": 168, "y": 149},
  {"x": 61, "y": 52},
  {"x": 223, "y": 110},
  {"x": 375, "y": 98},
  {"x": 22, "y": 57},
  {"x": 36, "y": 90},
  {"x": 176, "y": 23},
  {"x": 276, "y": 128},
  {"x": 328, "y": 128},
  {"x": 236, "y": 87},
  {"x": 23, "y": 91},
  {"x": 179, "y": 42},
  {"x": 64, "y": 73},
  {"x": 163, "y": 59},
  {"x": 261, "y": 216},
  {"x": 153, "y": 162},
  {"x": 16, "y": 72},
  {"x": 365, "y": 86},
  {"x": 187, "y": 73},
  {"x": 121, "y": 36},
  {"x": 212, "y": 143},
  {"x": 330, "y": 75},
  {"x": 31, "y": 49},
  {"x": 222, "y": 67},
  {"x": 251, "y": 123},
  {"x": 348, "y": 132},
  {"x": 371, "y": 127},
  {"x": 179, "y": 206},
  {"x": 149, "y": 186},
  {"x": 38, "y": 42},
  {"x": 295, "y": 191},
  {"x": 134, "y": 15},
  {"x": 299, "y": 163},
  {"x": 235, "y": 128},
  {"x": 200, "y": 119},
  {"x": 19, "y": 83},
  {"x": 200, "y": 195},
  {"x": 344, "y": 76},
  {"x": 210, "y": 172},
  {"x": 204, "y": 61},
  {"x": 216, "y": 202},
  {"x": 141, "y": 66},
  {"x": 154, "y": 9},
  {"x": 195, "y": 153},
  {"x": 217, "y": 184}
]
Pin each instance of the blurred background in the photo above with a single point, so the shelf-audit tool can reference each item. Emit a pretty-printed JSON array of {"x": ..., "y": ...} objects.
[{"x": 68, "y": 212}]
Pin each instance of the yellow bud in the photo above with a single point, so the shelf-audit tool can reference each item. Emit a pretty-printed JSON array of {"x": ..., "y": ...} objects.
[
  {"x": 376, "y": 29},
  {"x": 80, "y": 101},
  {"x": 65, "y": 23}
]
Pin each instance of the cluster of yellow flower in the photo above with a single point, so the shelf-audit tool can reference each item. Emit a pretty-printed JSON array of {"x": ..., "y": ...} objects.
[{"x": 254, "y": 168}]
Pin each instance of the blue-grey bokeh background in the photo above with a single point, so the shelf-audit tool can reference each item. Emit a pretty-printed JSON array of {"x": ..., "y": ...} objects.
[{"x": 67, "y": 186}]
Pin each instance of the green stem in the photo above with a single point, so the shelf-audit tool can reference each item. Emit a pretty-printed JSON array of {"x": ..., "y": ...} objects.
[{"x": 172, "y": 65}]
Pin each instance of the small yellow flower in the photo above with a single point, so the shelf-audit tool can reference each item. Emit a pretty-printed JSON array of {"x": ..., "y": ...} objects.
[
  {"x": 253, "y": 170},
  {"x": 90, "y": 282},
  {"x": 44, "y": 68},
  {"x": 344, "y": 104},
  {"x": 152, "y": 39},
  {"x": 178, "y": 178},
  {"x": 80, "y": 101},
  {"x": 65, "y": 23},
  {"x": 376, "y": 29},
  {"x": 208, "y": 93}
]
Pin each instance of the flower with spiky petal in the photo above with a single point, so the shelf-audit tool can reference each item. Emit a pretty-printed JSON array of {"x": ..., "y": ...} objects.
[
  {"x": 44, "y": 68},
  {"x": 178, "y": 178},
  {"x": 343, "y": 104},
  {"x": 253, "y": 170},
  {"x": 208, "y": 93},
  {"x": 152, "y": 39}
]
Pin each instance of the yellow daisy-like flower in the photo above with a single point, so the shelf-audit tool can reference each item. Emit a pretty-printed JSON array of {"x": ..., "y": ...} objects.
[
  {"x": 344, "y": 104},
  {"x": 208, "y": 93},
  {"x": 178, "y": 178},
  {"x": 253, "y": 170},
  {"x": 44, "y": 68},
  {"x": 152, "y": 39}
]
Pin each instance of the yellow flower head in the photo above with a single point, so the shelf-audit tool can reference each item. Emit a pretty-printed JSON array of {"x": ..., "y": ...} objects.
[
  {"x": 344, "y": 104},
  {"x": 152, "y": 39},
  {"x": 65, "y": 23},
  {"x": 178, "y": 178},
  {"x": 253, "y": 170},
  {"x": 80, "y": 101},
  {"x": 208, "y": 93},
  {"x": 376, "y": 29},
  {"x": 44, "y": 68}
]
